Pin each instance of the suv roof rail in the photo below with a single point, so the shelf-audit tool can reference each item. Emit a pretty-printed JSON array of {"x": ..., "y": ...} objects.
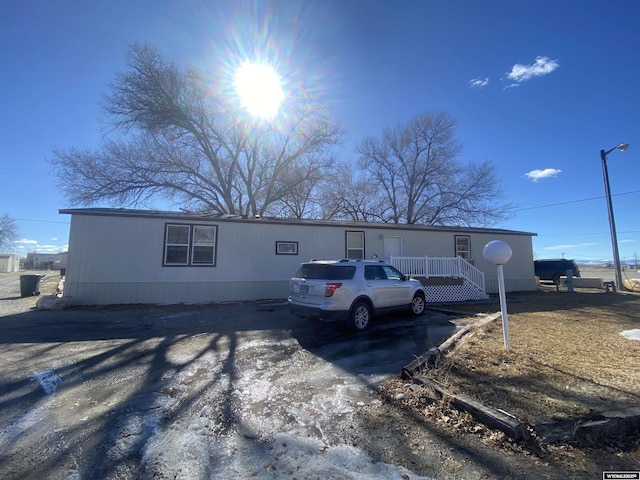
[{"x": 345, "y": 260}]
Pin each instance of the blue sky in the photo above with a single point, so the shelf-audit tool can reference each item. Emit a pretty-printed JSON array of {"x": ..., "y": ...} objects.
[{"x": 537, "y": 87}]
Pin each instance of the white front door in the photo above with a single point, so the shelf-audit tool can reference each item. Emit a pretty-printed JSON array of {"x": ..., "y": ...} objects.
[{"x": 392, "y": 247}]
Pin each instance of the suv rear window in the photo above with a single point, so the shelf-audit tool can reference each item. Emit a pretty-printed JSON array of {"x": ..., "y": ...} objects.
[{"x": 326, "y": 272}]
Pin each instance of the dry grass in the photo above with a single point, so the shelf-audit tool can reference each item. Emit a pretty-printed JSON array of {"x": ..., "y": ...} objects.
[
  {"x": 567, "y": 356},
  {"x": 567, "y": 360}
]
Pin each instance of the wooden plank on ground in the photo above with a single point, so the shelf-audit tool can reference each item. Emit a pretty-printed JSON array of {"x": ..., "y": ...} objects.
[
  {"x": 493, "y": 418},
  {"x": 432, "y": 356}
]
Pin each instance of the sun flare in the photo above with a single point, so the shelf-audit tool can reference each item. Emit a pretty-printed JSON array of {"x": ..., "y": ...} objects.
[{"x": 259, "y": 89}]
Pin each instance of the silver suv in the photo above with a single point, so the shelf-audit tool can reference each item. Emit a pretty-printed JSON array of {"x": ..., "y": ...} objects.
[{"x": 353, "y": 290}]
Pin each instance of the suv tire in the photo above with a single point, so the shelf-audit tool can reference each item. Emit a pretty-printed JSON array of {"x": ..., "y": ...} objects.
[
  {"x": 360, "y": 316},
  {"x": 418, "y": 304}
]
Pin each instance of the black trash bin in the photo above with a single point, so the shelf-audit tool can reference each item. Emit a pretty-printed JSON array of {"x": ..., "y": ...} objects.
[{"x": 29, "y": 285}]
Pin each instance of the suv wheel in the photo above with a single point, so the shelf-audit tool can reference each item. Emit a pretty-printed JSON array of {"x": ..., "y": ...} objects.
[
  {"x": 360, "y": 316},
  {"x": 418, "y": 304}
]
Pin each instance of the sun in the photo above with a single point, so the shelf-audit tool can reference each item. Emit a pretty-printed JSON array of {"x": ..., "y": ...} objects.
[{"x": 259, "y": 89}]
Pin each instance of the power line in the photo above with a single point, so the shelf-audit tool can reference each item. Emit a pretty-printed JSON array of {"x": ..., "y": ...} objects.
[
  {"x": 43, "y": 221},
  {"x": 514, "y": 210},
  {"x": 582, "y": 234},
  {"x": 573, "y": 201}
]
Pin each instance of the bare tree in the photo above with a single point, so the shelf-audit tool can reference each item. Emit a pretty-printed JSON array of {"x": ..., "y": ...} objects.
[
  {"x": 8, "y": 232},
  {"x": 415, "y": 166},
  {"x": 187, "y": 140},
  {"x": 302, "y": 199},
  {"x": 349, "y": 196}
]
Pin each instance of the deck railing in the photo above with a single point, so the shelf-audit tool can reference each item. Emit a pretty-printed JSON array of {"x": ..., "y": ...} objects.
[{"x": 451, "y": 267}]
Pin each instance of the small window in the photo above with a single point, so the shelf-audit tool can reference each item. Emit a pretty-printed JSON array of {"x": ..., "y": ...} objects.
[
  {"x": 463, "y": 246},
  {"x": 326, "y": 272},
  {"x": 374, "y": 272},
  {"x": 392, "y": 273},
  {"x": 190, "y": 245},
  {"x": 204, "y": 245},
  {"x": 177, "y": 245},
  {"x": 355, "y": 245}
]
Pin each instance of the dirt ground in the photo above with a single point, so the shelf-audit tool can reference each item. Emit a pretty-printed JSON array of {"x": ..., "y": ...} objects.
[{"x": 567, "y": 360}]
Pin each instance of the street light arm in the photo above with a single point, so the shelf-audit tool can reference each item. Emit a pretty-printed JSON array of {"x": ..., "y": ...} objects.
[{"x": 621, "y": 147}]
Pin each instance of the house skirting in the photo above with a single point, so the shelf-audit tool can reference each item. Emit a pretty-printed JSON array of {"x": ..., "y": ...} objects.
[
  {"x": 449, "y": 290},
  {"x": 116, "y": 293},
  {"x": 438, "y": 290}
]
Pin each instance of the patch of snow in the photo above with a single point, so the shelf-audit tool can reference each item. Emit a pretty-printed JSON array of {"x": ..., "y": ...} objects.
[
  {"x": 35, "y": 421},
  {"x": 289, "y": 456},
  {"x": 178, "y": 453},
  {"x": 631, "y": 334},
  {"x": 48, "y": 380},
  {"x": 141, "y": 422}
]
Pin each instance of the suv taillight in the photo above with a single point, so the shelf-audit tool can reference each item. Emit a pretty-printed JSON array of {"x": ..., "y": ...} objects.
[{"x": 330, "y": 289}]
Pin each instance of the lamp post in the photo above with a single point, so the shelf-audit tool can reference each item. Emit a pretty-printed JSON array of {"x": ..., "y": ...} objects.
[
  {"x": 499, "y": 253},
  {"x": 612, "y": 224}
]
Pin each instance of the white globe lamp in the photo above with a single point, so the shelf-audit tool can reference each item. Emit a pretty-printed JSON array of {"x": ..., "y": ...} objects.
[{"x": 497, "y": 252}]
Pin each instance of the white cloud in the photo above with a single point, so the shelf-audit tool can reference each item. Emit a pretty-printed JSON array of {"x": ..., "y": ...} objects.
[
  {"x": 26, "y": 241},
  {"x": 536, "y": 175},
  {"x": 33, "y": 246},
  {"x": 479, "y": 82},
  {"x": 48, "y": 249},
  {"x": 54, "y": 239},
  {"x": 568, "y": 246},
  {"x": 542, "y": 66}
]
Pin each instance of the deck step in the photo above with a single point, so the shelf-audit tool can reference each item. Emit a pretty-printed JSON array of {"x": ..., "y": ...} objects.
[{"x": 432, "y": 281}]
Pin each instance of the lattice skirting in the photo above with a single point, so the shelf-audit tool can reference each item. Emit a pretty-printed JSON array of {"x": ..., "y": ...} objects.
[{"x": 454, "y": 293}]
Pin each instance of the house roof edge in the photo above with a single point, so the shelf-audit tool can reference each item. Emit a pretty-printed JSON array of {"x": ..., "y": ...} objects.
[{"x": 172, "y": 215}]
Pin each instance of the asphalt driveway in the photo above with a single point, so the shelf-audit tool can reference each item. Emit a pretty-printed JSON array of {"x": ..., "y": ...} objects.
[{"x": 218, "y": 391}]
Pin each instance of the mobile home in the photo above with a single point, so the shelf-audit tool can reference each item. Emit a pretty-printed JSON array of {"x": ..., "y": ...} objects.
[{"x": 120, "y": 256}]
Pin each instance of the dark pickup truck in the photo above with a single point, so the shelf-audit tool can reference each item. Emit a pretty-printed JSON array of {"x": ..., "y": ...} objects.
[{"x": 553, "y": 269}]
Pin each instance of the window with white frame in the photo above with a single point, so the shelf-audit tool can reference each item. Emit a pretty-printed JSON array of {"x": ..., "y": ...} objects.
[
  {"x": 355, "y": 244},
  {"x": 463, "y": 246},
  {"x": 186, "y": 245}
]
